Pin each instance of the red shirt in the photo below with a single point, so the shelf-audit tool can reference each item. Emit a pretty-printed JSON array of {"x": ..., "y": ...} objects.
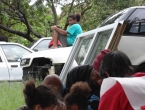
[{"x": 115, "y": 98}]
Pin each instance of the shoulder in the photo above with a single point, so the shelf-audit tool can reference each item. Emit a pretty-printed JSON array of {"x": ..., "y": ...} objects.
[
  {"x": 139, "y": 74},
  {"x": 112, "y": 91},
  {"x": 75, "y": 25}
]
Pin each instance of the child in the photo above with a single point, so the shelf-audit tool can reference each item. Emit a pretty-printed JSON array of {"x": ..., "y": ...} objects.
[
  {"x": 77, "y": 98},
  {"x": 67, "y": 37},
  {"x": 38, "y": 98}
]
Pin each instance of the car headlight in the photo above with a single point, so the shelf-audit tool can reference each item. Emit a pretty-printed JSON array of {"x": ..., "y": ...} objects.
[{"x": 24, "y": 62}]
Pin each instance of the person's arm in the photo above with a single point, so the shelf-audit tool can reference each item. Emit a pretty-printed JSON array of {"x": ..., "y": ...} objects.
[
  {"x": 72, "y": 29},
  {"x": 59, "y": 30}
]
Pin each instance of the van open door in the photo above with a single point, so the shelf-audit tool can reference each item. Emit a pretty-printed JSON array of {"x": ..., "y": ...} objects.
[{"x": 89, "y": 44}]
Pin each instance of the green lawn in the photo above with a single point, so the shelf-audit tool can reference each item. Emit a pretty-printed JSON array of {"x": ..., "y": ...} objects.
[{"x": 11, "y": 95}]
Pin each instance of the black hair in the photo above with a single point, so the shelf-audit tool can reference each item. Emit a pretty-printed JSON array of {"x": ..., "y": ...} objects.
[
  {"x": 76, "y": 17},
  {"x": 3, "y": 38},
  {"x": 116, "y": 64},
  {"x": 78, "y": 95},
  {"x": 140, "y": 67},
  {"x": 41, "y": 95}
]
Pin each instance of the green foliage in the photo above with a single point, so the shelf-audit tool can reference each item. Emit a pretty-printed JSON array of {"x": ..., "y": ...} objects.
[{"x": 41, "y": 18}]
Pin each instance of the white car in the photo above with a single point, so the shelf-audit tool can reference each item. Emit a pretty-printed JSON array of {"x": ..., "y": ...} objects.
[
  {"x": 37, "y": 64},
  {"x": 10, "y": 57},
  {"x": 40, "y": 44}
]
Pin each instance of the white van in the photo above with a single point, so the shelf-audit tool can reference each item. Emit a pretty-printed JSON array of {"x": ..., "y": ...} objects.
[{"x": 124, "y": 30}]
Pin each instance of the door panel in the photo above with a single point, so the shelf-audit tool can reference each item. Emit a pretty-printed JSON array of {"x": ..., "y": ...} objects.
[
  {"x": 13, "y": 54},
  {"x": 94, "y": 40},
  {"x": 4, "y": 73}
]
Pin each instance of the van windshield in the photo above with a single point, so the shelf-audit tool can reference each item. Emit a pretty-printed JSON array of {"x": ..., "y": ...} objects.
[{"x": 113, "y": 18}]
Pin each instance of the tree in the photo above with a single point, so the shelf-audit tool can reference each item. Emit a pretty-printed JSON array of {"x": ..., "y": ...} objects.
[{"x": 18, "y": 17}]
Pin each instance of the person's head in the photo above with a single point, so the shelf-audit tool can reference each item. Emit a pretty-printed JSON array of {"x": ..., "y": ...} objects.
[
  {"x": 53, "y": 81},
  {"x": 115, "y": 64},
  {"x": 72, "y": 19},
  {"x": 77, "y": 98},
  {"x": 95, "y": 78},
  {"x": 39, "y": 98},
  {"x": 3, "y": 38}
]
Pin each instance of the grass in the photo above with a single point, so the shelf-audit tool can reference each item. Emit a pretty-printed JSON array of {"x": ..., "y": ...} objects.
[{"x": 11, "y": 95}]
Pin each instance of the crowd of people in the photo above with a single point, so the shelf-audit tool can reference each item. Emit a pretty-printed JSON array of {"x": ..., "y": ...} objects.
[{"x": 111, "y": 83}]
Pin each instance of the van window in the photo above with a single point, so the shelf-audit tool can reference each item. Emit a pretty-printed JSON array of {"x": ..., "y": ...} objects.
[
  {"x": 136, "y": 23},
  {"x": 83, "y": 50},
  {"x": 111, "y": 19}
]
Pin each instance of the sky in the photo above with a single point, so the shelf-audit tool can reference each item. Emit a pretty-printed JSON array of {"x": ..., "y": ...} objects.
[{"x": 58, "y": 9}]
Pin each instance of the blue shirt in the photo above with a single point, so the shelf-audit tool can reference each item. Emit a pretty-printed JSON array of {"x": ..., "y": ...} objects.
[{"x": 73, "y": 31}]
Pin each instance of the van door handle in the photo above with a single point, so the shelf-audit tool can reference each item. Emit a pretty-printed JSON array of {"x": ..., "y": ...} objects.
[{"x": 14, "y": 66}]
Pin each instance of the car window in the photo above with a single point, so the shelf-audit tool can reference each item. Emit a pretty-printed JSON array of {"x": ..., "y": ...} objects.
[
  {"x": 43, "y": 45},
  {"x": 136, "y": 23},
  {"x": 14, "y": 52}
]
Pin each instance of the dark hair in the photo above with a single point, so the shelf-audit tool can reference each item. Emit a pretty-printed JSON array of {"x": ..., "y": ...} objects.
[
  {"x": 140, "y": 67},
  {"x": 3, "y": 38},
  {"x": 76, "y": 17},
  {"x": 78, "y": 95},
  {"x": 41, "y": 95},
  {"x": 116, "y": 64}
]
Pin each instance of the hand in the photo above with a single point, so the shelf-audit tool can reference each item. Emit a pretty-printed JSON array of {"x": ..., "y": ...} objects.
[{"x": 53, "y": 27}]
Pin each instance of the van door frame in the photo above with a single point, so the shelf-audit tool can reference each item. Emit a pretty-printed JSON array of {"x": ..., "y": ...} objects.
[{"x": 88, "y": 59}]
